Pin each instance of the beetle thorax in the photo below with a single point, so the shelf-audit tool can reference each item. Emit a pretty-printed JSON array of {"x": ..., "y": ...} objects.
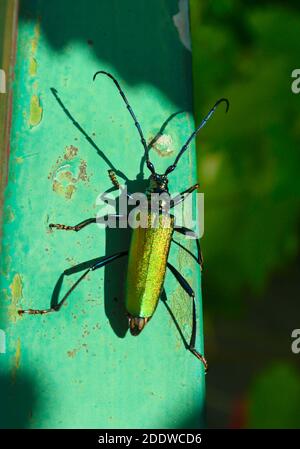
[{"x": 158, "y": 184}]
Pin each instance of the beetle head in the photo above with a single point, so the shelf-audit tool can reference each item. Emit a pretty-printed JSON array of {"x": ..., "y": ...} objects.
[{"x": 158, "y": 183}]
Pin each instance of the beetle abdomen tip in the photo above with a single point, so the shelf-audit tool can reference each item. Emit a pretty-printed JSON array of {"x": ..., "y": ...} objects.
[{"x": 137, "y": 324}]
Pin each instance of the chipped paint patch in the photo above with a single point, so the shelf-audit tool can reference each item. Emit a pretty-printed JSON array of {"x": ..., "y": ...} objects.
[
  {"x": 70, "y": 152},
  {"x": 16, "y": 290},
  {"x": 32, "y": 66},
  {"x": 82, "y": 171},
  {"x": 182, "y": 23},
  {"x": 164, "y": 145},
  {"x": 35, "y": 39},
  {"x": 64, "y": 182},
  {"x": 65, "y": 176},
  {"x": 36, "y": 111},
  {"x": 17, "y": 360}
]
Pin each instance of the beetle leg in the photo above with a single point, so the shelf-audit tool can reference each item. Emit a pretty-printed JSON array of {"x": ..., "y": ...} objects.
[
  {"x": 76, "y": 228},
  {"x": 55, "y": 308},
  {"x": 186, "y": 231},
  {"x": 113, "y": 177},
  {"x": 182, "y": 196},
  {"x": 187, "y": 288},
  {"x": 82, "y": 224}
]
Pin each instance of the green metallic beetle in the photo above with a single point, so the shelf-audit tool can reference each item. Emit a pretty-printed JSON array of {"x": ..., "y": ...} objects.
[{"x": 150, "y": 245}]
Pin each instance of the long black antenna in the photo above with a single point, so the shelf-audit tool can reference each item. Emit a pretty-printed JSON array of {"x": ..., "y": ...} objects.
[
  {"x": 138, "y": 126},
  {"x": 185, "y": 146}
]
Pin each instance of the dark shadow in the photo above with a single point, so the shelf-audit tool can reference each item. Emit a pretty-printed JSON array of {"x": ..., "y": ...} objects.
[
  {"x": 88, "y": 138},
  {"x": 185, "y": 249},
  {"x": 164, "y": 300},
  {"x": 18, "y": 400},
  {"x": 112, "y": 29}
]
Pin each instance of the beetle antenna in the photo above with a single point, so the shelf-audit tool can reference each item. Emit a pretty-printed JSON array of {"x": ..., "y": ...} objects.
[
  {"x": 138, "y": 126},
  {"x": 193, "y": 135}
]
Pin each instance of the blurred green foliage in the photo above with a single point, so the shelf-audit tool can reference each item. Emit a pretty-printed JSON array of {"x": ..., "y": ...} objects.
[
  {"x": 274, "y": 398},
  {"x": 249, "y": 159},
  {"x": 248, "y": 168}
]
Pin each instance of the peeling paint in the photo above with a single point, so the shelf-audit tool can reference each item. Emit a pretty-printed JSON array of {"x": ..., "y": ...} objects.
[
  {"x": 65, "y": 176},
  {"x": 32, "y": 66},
  {"x": 164, "y": 145},
  {"x": 64, "y": 184},
  {"x": 70, "y": 152},
  {"x": 17, "y": 360},
  {"x": 16, "y": 290},
  {"x": 36, "y": 111},
  {"x": 82, "y": 171},
  {"x": 35, "y": 39},
  {"x": 182, "y": 23}
]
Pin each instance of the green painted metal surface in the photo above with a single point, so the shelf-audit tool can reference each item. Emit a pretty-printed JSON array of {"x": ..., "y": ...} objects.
[{"x": 81, "y": 367}]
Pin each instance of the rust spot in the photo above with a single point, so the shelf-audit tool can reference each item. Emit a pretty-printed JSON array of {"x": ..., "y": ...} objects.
[
  {"x": 70, "y": 152},
  {"x": 82, "y": 171},
  {"x": 72, "y": 353}
]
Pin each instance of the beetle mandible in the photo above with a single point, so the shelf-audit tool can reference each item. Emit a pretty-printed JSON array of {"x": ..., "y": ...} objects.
[{"x": 149, "y": 247}]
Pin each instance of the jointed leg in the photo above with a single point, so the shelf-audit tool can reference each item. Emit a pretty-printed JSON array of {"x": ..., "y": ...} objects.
[
  {"x": 182, "y": 196},
  {"x": 101, "y": 263},
  {"x": 76, "y": 228},
  {"x": 185, "y": 249},
  {"x": 186, "y": 231},
  {"x": 113, "y": 177},
  {"x": 185, "y": 285},
  {"x": 82, "y": 224}
]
